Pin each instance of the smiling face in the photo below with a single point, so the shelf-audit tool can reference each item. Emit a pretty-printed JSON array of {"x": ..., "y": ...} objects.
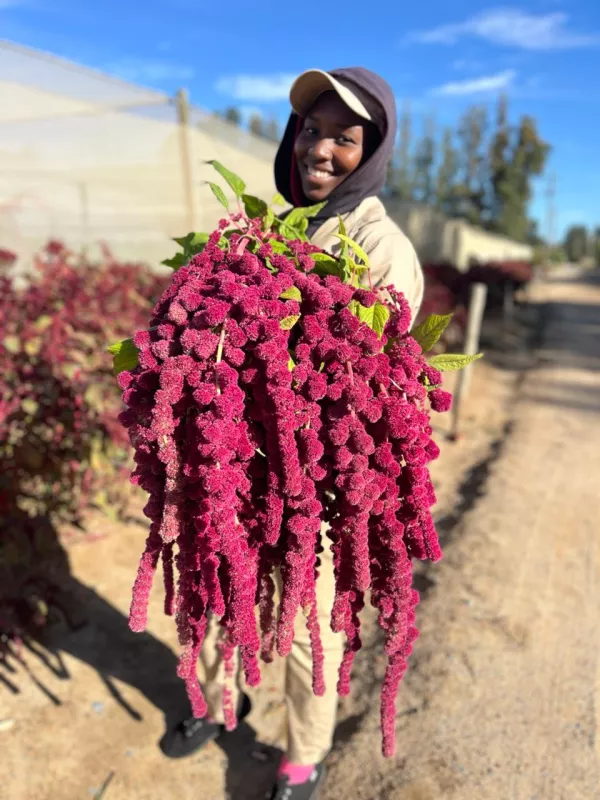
[{"x": 330, "y": 146}]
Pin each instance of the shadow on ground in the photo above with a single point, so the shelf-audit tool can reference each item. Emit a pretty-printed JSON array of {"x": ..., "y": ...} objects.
[{"x": 98, "y": 634}]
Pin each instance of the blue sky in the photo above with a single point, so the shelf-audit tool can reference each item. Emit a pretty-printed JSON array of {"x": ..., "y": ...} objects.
[{"x": 440, "y": 57}]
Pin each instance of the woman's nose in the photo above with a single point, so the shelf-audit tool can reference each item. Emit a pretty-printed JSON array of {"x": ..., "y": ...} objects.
[{"x": 321, "y": 149}]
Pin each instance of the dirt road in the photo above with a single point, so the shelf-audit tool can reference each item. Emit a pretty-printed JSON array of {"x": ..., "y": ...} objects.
[
  {"x": 502, "y": 701},
  {"x": 502, "y": 696}
]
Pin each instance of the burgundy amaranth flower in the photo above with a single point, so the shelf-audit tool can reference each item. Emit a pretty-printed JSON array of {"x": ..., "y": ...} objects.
[
  {"x": 440, "y": 400},
  {"x": 138, "y": 614},
  {"x": 258, "y": 414}
]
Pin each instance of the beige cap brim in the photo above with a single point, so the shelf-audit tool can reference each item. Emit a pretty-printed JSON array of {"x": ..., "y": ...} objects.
[{"x": 309, "y": 86}]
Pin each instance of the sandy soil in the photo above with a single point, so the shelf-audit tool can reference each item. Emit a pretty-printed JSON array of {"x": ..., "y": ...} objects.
[{"x": 500, "y": 699}]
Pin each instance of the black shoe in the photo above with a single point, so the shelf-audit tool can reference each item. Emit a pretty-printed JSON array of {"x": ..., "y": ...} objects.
[
  {"x": 192, "y": 734},
  {"x": 302, "y": 791}
]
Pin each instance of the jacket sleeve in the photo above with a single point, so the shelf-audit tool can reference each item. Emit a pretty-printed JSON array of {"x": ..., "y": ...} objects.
[{"x": 393, "y": 260}]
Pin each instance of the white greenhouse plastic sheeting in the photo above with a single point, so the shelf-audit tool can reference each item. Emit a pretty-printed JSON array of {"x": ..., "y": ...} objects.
[{"x": 87, "y": 158}]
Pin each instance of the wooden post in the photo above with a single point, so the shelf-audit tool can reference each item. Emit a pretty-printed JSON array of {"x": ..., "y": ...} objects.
[
  {"x": 84, "y": 200},
  {"x": 508, "y": 304},
  {"x": 187, "y": 159},
  {"x": 477, "y": 302}
]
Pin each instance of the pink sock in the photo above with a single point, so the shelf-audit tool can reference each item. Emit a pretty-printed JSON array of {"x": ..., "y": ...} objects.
[{"x": 295, "y": 773}]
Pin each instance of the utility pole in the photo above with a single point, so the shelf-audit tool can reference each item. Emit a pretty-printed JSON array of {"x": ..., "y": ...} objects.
[{"x": 187, "y": 159}]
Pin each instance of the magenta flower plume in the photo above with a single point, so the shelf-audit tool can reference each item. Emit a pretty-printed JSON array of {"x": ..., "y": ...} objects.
[{"x": 269, "y": 423}]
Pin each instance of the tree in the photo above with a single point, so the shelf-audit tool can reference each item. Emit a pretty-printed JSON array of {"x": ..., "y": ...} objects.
[
  {"x": 257, "y": 125},
  {"x": 483, "y": 177},
  {"x": 471, "y": 189},
  {"x": 445, "y": 193},
  {"x": 576, "y": 243},
  {"x": 499, "y": 158},
  {"x": 597, "y": 247},
  {"x": 424, "y": 178},
  {"x": 233, "y": 115},
  {"x": 272, "y": 130},
  {"x": 533, "y": 234},
  {"x": 516, "y": 155},
  {"x": 400, "y": 183}
]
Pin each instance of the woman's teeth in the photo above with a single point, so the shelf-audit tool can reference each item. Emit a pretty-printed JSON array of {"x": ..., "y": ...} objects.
[{"x": 318, "y": 173}]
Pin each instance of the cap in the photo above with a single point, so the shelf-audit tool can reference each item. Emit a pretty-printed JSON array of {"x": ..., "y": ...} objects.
[{"x": 313, "y": 83}]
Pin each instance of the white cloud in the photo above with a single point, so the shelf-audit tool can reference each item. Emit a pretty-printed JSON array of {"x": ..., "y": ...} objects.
[
  {"x": 467, "y": 65},
  {"x": 150, "y": 70},
  {"x": 256, "y": 88},
  {"x": 488, "y": 83},
  {"x": 512, "y": 27}
]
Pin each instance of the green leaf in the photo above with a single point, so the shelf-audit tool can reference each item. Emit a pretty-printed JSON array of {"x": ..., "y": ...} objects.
[
  {"x": 300, "y": 216},
  {"x": 197, "y": 243},
  {"x": 278, "y": 200},
  {"x": 192, "y": 243},
  {"x": 346, "y": 266},
  {"x": 219, "y": 194},
  {"x": 449, "y": 362},
  {"x": 323, "y": 258},
  {"x": 375, "y": 317},
  {"x": 326, "y": 265},
  {"x": 43, "y": 322},
  {"x": 312, "y": 211},
  {"x": 291, "y": 231},
  {"x": 234, "y": 181},
  {"x": 291, "y": 364},
  {"x": 254, "y": 206},
  {"x": 430, "y": 330},
  {"x": 183, "y": 241},
  {"x": 29, "y": 406},
  {"x": 293, "y": 293},
  {"x": 303, "y": 225},
  {"x": 33, "y": 346},
  {"x": 125, "y": 355},
  {"x": 355, "y": 247},
  {"x": 178, "y": 260},
  {"x": 280, "y": 248},
  {"x": 12, "y": 344},
  {"x": 381, "y": 314},
  {"x": 287, "y": 323},
  {"x": 354, "y": 307},
  {"x": 366, "y": 315},
  {"x": 269, "y": 219},
  {"x": 342, "y": 228}
]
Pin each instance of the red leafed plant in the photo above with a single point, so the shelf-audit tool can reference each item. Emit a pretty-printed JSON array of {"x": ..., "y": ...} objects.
[
  {"x": 277, "y": 407},
  {"x": 60, "y": 445}
]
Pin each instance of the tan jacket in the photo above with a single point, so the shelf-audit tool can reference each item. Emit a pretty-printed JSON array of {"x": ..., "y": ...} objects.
[{"x": 392, "y": 256}]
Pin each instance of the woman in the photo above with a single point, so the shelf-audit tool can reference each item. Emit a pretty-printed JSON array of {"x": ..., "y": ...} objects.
[{"x": 336, "y": 148}]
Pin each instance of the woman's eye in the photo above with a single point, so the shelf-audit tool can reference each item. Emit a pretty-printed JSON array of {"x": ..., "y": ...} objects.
[
  {"x": 345, "y": 140},
  {"x": 311, "y": 131}
]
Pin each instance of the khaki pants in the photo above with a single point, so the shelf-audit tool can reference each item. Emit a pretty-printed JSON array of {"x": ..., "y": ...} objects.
[{"x": 311, "y": 719}]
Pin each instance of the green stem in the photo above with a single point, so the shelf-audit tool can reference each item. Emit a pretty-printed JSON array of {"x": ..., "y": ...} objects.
[
  {"x": 350, "y": 372},
  {"x": 220, "y": 353}
]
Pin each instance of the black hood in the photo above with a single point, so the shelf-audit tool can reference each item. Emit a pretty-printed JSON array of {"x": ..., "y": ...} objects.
[{"x": 369, "y": 179}]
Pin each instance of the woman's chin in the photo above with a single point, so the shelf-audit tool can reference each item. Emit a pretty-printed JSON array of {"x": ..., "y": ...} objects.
[{"x": 316, "y": 194}]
